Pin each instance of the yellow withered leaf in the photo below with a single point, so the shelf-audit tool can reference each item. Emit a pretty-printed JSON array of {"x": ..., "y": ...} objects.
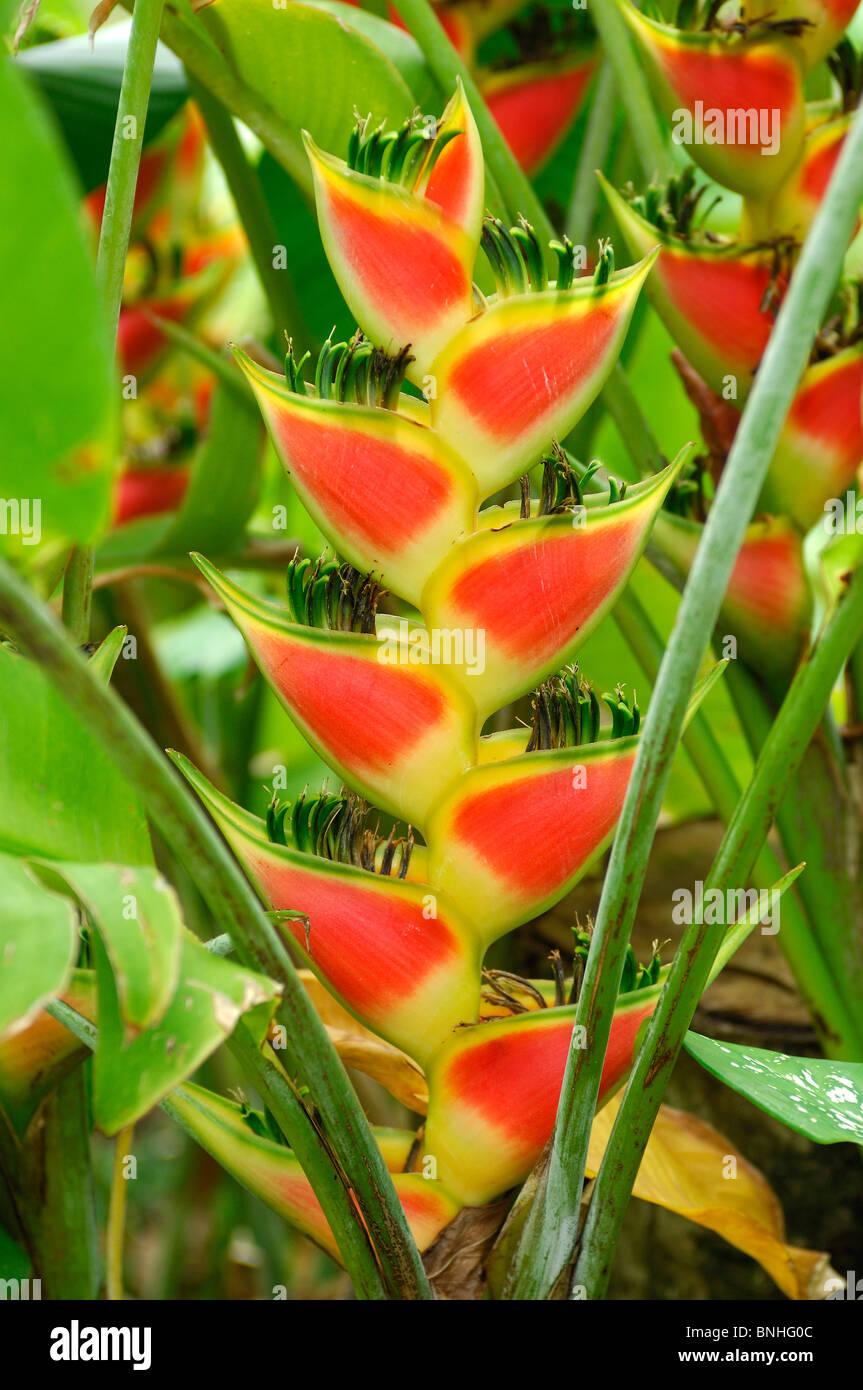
[{"x": 692, "y": 1169}]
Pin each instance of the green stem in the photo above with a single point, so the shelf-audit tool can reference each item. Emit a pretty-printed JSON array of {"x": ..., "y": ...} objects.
[
  {"x": 116, "y": 1231},
  {"x": 235, "y": 910},
  {"x": 126, "y": 156},
  {"x": 552, "y": 1226},
  {"x": 774, "y": 774},
  {"x": 836, "y": 1018},
  {"x": 254, "y": 213},
  {"x": 581, "y": 214},
  {"x": 113, "y": 246},
  {"x": 838, "y": 1026},
  {"x": 517, "y": 190},
  {"x": 58, "y": 1198},
  {"x": 651, "y": 146},
  {"x": 830, "y": 888}
]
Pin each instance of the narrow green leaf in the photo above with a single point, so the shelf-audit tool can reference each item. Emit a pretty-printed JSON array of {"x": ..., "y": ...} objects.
[{"x": 104, "y": 658}]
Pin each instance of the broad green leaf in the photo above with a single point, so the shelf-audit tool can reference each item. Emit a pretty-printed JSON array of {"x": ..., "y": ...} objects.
[
  {"x": 38, "y": 944},
  {"x": 210, "y": 998},
  {"x": 59, "y": 398},
  {"x": 226, "y": 477},
  {"x": 62, "y": 796},
  {"x": 138, "y": 917},
  {"x": 812, "y": 1095},
  {"x": 308, "y": 66},
  {"x": 399, "y": 46},
  {"x": 82, "y": 85}
]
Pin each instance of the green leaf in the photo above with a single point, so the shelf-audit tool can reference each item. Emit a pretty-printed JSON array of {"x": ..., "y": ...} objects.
[
  {"x": 38, "y": 944},
  {"x": 104, "y": 658},
  {"x": 397, "y": 45},
  {"x": 58, "y": 417},
  {"x": 815, "y": 1096},
  {"x": 82, "y": 85},
  {"x": 62, "y": 797},
  {"x": 226, "y": 478},
  {"x": 308, "y": 66},
  {"x": 138, "y": 917},
  {"x": 211, "y": 996}
]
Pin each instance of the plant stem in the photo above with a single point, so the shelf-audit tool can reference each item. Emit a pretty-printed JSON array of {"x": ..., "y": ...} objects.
[
  {"x": 774, "y": 774},
  {"x": 517, "y": 190},
  {"x": 838, "y": 1027},
  {"x": 254, "y": 213},
  {"x": 552, "y": 1226},
  {"x": 235, "y": 910},
  {"x": 581, "y": 213},
  {"x": 58, "y": 1199},
  {"x": 830, "y": 888},
  {"x": 650, "y": 145},
  {"x": 113, "y": 246},
  {"x": 805, "y": 947},
  {"x": 126, "y": 156},
  {"x": 117, "y": 1215}
]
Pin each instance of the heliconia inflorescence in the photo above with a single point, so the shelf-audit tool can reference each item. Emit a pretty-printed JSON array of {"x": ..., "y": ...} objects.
[
  {"x": 496, "y": 827},
  {"x": 490, "y": 829}
]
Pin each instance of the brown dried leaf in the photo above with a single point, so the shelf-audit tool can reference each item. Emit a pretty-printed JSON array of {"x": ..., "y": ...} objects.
[
  {"x": 455, "y": 1263},
  {"x": 98, "y": 17}
]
